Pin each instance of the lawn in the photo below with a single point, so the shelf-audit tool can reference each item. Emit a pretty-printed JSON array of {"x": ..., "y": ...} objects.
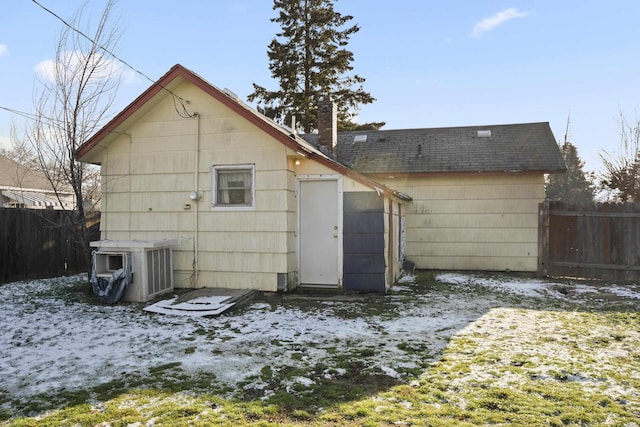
[{"x": 440, "y": 349}]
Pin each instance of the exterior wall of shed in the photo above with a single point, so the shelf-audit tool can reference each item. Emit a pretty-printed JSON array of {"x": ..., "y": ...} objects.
[
  {"x": 364, "y": 269},
  {"x": 472, "y": 222},
  {"x": 394, "y": 237},
  {"x": 393, "y": 213},
  {"x": 148, "y": 173}
]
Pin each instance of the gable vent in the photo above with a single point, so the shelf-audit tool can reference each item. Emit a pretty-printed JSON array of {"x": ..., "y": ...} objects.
[{"x": 484, "y": 133}]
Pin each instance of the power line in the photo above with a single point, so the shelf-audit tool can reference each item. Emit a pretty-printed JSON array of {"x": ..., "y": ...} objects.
[
  {"x": 35, "y": 117},
  {"x": 57, "y": 123},
  {"x": 184, "y": 113}
]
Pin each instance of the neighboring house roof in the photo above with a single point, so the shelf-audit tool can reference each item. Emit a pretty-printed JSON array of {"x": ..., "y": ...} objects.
[
  {"x": 179, "y": 74},
  {"x": 15, "y": 175},
  {"x": 20, "y": 185},
  {"x": 526, "y": 147}
]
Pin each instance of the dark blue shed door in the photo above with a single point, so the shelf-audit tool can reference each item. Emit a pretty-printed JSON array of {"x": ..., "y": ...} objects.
[{"x": 363, "y": 242}]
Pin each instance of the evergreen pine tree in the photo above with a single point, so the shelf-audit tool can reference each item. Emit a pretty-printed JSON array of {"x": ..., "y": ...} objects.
[
  {"x": 310, "y": 60},
  {"x": 573, "y": 186}
]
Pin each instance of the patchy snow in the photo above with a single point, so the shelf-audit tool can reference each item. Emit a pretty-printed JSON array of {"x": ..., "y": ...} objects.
[
  {"x": 52, "y": 343},
  {"x": 524, "y": 287},
  {"x": 409, "y": 278},
  {"x": 538, "y": 287},
  {"x": 630, "y": 291},
  {"x": 626, "y": 292}
]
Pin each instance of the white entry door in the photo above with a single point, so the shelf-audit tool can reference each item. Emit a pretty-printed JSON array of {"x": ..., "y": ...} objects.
[{"x": 319, "y": 234}]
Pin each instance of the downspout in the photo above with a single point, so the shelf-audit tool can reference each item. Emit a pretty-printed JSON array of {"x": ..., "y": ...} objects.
[
  {"x": 390, "y": 250},
  {"x": 129, "y": 185},
  {"x": 104, "y": 222},
  {"x": 195, "y": 197}
]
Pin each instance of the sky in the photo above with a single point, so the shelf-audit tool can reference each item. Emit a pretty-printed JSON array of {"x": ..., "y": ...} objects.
[{"x": 427, "y": 63}]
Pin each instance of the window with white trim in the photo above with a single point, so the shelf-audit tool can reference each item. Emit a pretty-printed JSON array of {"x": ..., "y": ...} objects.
[{"x": 233, "y": 186}]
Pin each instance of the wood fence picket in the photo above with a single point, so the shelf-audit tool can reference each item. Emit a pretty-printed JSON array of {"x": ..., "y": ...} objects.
[
  {"x": 598, "y": 240},
  {"x": 40, "y": 243}
]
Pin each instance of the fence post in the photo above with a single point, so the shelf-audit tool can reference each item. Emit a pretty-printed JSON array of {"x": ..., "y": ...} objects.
[{"x": 543, "y": 239}]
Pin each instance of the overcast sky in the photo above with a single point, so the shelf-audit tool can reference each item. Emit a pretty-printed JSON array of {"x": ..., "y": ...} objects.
[{"x": 428, "y": 63}]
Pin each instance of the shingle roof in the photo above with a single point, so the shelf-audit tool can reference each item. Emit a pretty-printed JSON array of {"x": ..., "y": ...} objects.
[
  {"x": 526, "y": 147},
  {"x": 178, "y": 73},
  {"x": 14, "y": 175}
]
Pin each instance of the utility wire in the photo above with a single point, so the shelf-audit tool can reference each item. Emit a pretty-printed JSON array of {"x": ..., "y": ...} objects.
[
  {"x": 56, "y": 123},
  {"x": 184, "y": 113},
  {"x": 35, "y": 117}
]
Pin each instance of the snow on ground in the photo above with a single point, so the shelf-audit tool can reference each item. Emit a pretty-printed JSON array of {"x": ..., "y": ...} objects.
[
  {"x": 631, "y": 292},
  {"x": 528, "y": 287},
  {"x": 538, "y": 287},
  {"x": 52, "y": 343}
]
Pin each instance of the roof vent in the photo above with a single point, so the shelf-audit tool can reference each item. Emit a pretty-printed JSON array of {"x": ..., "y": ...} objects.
[
  {"x": 484, "y": 133},
  {"x": 360, "y": 138},
  {"x": 230, "y": 94}
]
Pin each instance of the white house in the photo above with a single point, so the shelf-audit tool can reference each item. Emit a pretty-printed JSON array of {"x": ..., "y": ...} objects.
[
  {"x": 21, "y": 187},
  {"x": 249, "y": 203}
]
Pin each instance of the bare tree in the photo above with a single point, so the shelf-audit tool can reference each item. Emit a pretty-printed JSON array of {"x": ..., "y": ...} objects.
[
  {"x": 77, "y": 89},
  {"x": 622, "y": 169}
]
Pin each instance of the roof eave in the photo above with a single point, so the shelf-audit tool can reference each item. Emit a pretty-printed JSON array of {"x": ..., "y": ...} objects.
[
  {"x": 401, "y": 174},
  {"x": 290, "y": 140},
  {"x": 113, "y": 125}
]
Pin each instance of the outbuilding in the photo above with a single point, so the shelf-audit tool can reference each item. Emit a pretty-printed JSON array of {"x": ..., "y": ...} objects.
[
  {"x": 475, "y": 189},
  {"x": 247, "y": 203}
]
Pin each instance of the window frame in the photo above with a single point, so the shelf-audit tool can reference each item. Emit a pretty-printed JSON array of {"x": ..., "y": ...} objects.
[{"x": 215, "y": 205}]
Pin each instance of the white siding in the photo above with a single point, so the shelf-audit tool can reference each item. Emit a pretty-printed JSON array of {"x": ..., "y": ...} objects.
[
  {"x": 473, "y": 222},
  {"x": 149, "y": 173},
  {"x": 392, "y": 240},
  {"x": 149, "y": 170}
]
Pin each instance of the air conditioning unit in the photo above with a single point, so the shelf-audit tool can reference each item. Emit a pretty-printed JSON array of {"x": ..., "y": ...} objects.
[
  {"x": 151, "y": 265},
  {"x": 106, "y": 263}
]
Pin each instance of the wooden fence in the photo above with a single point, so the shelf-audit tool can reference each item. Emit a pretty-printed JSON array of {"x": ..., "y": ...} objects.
[
  {"x": 600, "y": 241},
  {"x": 37, "y": 243}
]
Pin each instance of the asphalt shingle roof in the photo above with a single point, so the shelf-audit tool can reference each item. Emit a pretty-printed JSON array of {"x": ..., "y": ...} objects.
[
  {"x": 13, "y": 174},
  {"x": 526, "y": 147}
]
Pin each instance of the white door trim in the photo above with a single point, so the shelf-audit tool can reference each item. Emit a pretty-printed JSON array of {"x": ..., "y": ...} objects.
[{"x": 339, "y": 231}]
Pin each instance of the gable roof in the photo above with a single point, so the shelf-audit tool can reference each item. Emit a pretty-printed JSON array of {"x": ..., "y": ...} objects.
[
  {"x": 526, "y": 147},
  {"x": 179, "y": 74},
  {"x": 22, "y": 185}
]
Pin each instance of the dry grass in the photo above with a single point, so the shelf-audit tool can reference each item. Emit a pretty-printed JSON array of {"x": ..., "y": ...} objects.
[{"x": 571, "y": 358}]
